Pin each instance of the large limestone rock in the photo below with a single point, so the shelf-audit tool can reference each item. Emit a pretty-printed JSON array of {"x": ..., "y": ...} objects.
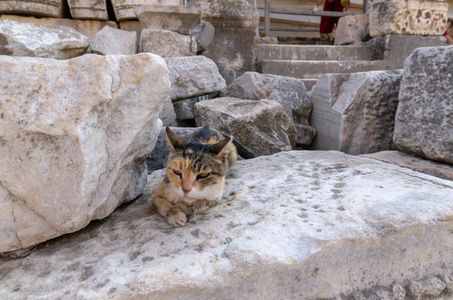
[
  {"x": 167, "y": 43},
  {"x": 235, "y": 23},
  {"x": 419, "y": 17},
  {"x": 53, "y": 8},
  {"x": 416, "y": 163},
  {"x": 88, "y": 28},
  {"x": 124, "y": 9},
  {"x": 193, "y": 76},
  {"x": 88, "y": 9},
  {"x": 288, "y": 91},
  {"x": 295, "y": 225},
  {"x": 351, "y": 29},
  {"x": 50, "y": 41},
  {"x": 423, "y": 123},
  {"x": 74, "y": 138},
  {"x": 258, "y": 127},
  {"x": 355, "y": 113},
  {"x": 111, "y": 41}
]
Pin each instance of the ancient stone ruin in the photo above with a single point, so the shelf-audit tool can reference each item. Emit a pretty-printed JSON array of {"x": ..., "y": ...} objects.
[{"x": 343, "y": 189}]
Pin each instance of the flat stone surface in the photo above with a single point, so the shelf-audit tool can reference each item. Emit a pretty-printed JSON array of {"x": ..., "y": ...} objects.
[
  {"x": 312, "y": 52},
  {"x": 167, "y": 43},
  {"x": 74, "y": 140},
  {"x": 416, "y": 163},
  {"x": 295, "y": 225},
  {"x": 351, "y": 29},
  {"x": 315, "y": 69}
]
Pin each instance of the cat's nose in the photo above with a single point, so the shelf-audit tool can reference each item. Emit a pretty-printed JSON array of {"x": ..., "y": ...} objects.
[{"x": 186, "y": 189}]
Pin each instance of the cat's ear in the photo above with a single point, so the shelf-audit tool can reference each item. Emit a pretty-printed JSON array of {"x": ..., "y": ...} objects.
[
  {"x": 222, "y": 148},
  {"x": 173, "y": 140}
]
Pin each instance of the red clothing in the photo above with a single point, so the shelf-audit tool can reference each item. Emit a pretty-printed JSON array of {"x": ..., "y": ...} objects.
[{"x": 327, "y": 23}]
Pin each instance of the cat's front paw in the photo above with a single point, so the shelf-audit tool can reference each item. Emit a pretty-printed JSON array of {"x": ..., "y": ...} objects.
[{"x": 176, "y": 217}]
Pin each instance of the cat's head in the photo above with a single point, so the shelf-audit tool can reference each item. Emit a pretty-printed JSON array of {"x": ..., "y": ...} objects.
[{"x": 194, "y": 170}]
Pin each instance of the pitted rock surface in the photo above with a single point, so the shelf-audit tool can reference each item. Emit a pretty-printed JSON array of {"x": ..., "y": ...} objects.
[{"x": 294, "y": 225}]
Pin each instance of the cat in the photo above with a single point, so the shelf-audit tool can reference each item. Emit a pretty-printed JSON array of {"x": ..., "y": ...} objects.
[{"x": 195, "y": 176}]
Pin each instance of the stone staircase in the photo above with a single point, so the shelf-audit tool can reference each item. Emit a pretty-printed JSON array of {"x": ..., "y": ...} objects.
[{"x": 309, "y": 62}]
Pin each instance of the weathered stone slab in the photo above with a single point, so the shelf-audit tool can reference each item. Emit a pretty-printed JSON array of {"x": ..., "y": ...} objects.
[
  {"x": 351, "y": 29},
  {"x": 88, "y": 9},
  {"x": 416, "y": 163},
  {"x": 124, "y": 9},
  {"x": 168, "y": 114},
  {"x": 193, "y": 76},
  {"x": 185, "y": 108},
  {"x": 88, "y": 28},
  {"x": 288, "y": 91},
  {"x": 167, "y": 43},
  {"x": 258, "y": 127},
  {"x": 203, "y": 34},
  {"x": 111, "y": 41},
  {"x": 235, "y": 22},
  {"x": 424, "y": 123},
  {"x": 169, "y": 17},
  {"x": 50, "y": 41},
  {"x": 324, "y": 225},
  {"x": 43, "y": 8},
  {"x": 74, "y": 138},
  {"x": 355, "y": 113},
  {"x": 419, "y": 17}
]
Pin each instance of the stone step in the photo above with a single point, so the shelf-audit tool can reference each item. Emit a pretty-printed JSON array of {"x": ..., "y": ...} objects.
[
  {"x": 312, "y": 52},
  {"x": 294, "y": 225},
  {"x": 314, "y": 69}
]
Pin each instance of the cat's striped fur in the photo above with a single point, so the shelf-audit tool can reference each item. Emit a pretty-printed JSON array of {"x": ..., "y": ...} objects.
[{"x": 195, "y": 175}]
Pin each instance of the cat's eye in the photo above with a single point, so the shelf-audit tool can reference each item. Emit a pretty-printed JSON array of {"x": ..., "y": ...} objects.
[
  {"x": 202, "y": 175},
  {"x": 177, "y": 173}
]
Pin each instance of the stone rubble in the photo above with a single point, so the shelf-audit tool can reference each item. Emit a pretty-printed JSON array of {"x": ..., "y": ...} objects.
[
  {"x": 294, "y": 225},
  {"x": 288, "y": 91},
  {"x": 111, "y": 41},
  {"x": 352, "y": 29},
  {"x": 74, "y": 138},
  {"x": 355, "y": 113},
  {"x": 167, "y": 43},
  {"x": 248, "y": 122},
  {"x": 49, "y": 41}
]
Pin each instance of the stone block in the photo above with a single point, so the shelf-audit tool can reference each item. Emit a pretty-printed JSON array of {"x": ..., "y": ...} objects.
[
  {"x": 185, "y": 108},
  {"x": 324, "y": 225},
  {"x": 111, "y": 41},
  {"x": 124, "y": 9},
  {"x": 45, "y": 8},
  {"x": 355, "y": 113},
  {"x": 257, "y": 127},
  {"x": 351, "y": 29},
  {"x": 416, "y": 163},
  {"x": 74, "y": 140},
  {"x": 423, "y": 124},
  {"x": 288, "y": 91},
  {"x": 203, "y": 34},
  {"x": 88, "y": 9},
  {"x": 193, "y": 76},
  {"x": 413, "y": 17},
  {"x": 49, "y": 41},
  {"x": 167, "y": 43},
  {"x": 235, "y": 22},
  {"x": 169, "y": 17},
  {"x": 168, "y": 114},
  {"x": 88, "y": 28},
  {"x": 394, "y": 49}
]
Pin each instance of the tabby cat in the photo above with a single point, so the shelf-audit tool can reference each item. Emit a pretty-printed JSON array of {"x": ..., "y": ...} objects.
[{"x": 195, "y": 175}]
